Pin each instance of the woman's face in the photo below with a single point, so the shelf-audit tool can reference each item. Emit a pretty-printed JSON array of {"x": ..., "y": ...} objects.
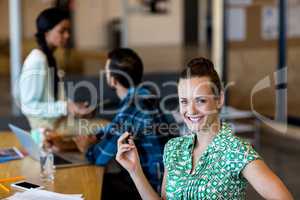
[
  {"x": 58, "y": 36},
  {"x": 199, "y": 106}
]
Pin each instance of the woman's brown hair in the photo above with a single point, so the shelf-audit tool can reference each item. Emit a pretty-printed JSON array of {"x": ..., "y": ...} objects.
[{"x": 201, "y": 67}]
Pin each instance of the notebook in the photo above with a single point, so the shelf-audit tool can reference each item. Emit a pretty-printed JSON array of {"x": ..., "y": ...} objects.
[
  {"x": 7, "y": 154},
  {"x": 44, "y": 195}
]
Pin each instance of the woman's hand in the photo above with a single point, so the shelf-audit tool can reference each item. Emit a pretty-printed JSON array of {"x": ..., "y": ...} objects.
[
  {"x": 128, "y": 157},
  {"x": 58, "y": 142},
  {"x": 127, "y": 154},
  {"x": 48, "y": 138},
  {"x": 79, "y": 109}
]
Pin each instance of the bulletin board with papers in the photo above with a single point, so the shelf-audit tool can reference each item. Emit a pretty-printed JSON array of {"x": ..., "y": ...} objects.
[{"x": 254, "y": 24}]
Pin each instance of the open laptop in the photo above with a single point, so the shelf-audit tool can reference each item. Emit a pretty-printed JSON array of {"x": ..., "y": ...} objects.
[{"x": 61, "y": 159}]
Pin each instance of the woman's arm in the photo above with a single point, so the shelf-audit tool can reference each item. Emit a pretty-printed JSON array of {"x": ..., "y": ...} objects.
[
  {"x": 265, "y": 182},
  {"x": 33, "y": 81},
  {"x": 145, "y": 189},
  {"x": 163, "y": 186},
  {"x": 128, "y": 157}
]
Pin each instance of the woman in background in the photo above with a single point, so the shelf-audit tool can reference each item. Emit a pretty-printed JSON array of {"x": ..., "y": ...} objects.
[
  {"x": 210, "y": 162},
  {"x": 40, "y": 97}
]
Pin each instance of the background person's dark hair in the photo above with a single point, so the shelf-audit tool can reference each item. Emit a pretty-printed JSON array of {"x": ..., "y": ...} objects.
[
  {"x": 200, "y": 67},
  {"x": 126, "y": 61},
  {"x": 46, "y": 21}
]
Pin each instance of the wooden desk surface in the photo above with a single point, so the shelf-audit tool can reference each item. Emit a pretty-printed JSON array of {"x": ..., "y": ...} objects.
[{"x": 86, "y": 180}]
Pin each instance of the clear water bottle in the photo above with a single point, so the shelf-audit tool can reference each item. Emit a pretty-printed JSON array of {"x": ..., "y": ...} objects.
[{"x": 47, "y": 165}]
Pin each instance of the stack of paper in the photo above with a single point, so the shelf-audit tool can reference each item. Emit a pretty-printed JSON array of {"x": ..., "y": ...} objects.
[{"x": 44, "y": 195}]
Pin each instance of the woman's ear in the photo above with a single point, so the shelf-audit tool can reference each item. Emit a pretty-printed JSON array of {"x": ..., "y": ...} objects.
[{"x": 46, "y": 35}]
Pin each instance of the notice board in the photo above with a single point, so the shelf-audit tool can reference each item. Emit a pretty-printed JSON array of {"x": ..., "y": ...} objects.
[{"x": 261, "y": 24}]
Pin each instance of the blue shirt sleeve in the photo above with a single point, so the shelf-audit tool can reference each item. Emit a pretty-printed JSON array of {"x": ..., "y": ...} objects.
[
  {"x": 106, "y": 149},
  {"x": 102, "y": 152}
]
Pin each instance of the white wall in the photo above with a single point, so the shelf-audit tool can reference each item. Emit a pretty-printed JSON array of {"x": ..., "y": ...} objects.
[
  {"x": 30, "y": 11},
  {"x": 147, "y": 29},
  {"x": 92, "y": 17}
]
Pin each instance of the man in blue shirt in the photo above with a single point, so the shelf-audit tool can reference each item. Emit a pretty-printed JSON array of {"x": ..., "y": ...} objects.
[{"x": 138, "y": 114}]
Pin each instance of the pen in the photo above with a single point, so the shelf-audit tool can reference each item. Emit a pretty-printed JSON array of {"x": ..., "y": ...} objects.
[
  {"x": 17, "y": 178},
  {"x": 4, "y": 188}
]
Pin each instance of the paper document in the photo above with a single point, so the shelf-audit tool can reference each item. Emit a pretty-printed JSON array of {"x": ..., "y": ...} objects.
[
  {"x": 236, "y": 18},
  {"x": 45, "y": 195},
  {"x": 269, "y": 25}
]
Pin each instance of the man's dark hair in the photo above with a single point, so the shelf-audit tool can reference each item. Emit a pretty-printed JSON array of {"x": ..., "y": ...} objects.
[
  {"x": 203, "y": 67},
  {"x": 126, "y": 61}
]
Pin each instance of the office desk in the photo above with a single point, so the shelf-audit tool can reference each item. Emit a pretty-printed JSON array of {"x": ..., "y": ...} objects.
[{"x": 86, "y": 180}]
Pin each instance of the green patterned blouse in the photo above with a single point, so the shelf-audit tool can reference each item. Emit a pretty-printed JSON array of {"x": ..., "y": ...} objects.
[{"x": 218, "y": 172}]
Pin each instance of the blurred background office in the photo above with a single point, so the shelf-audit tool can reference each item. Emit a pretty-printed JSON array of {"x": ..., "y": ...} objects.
[{"x": 255, "y": 45}]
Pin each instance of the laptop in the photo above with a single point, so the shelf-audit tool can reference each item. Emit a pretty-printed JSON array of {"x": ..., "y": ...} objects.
[{"x": 61, "y": 159}]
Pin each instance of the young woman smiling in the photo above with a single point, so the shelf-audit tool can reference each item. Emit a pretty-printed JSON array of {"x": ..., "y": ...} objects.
[{"x": 210, "y": 162}]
